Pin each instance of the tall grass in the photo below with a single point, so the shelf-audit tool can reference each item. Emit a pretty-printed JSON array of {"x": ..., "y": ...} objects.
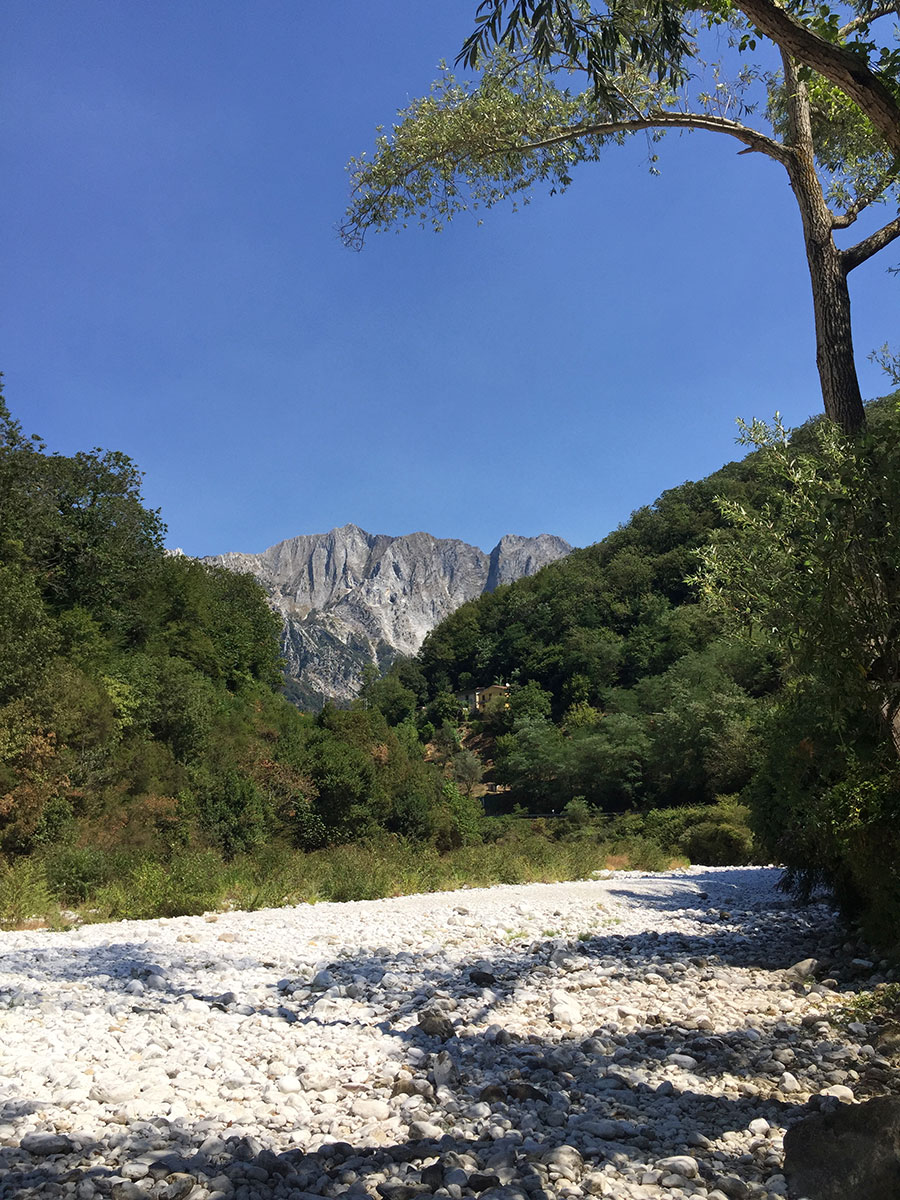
[{"x": 116, "y": 885}]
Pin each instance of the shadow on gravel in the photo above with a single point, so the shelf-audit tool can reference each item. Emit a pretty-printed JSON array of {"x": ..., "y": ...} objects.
[{"x": 524, "y": 1100}]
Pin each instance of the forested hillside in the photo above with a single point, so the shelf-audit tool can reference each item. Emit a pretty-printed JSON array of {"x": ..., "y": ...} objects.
[
  {"x": 734, "y": 648},
  {"x": 738, "y": 638},
  {"x": 140, "y": 692},
  {"x": 625, "y": 689}
]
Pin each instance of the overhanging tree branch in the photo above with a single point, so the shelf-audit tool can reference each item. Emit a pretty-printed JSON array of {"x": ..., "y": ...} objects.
[
  {"x": 843, "y": 220},
  {"x": 854, "y": 255},
  {"x": 562, "y": 27},
  {"x": 864, "y": 19},
  {"x": 751, "y": 138}
]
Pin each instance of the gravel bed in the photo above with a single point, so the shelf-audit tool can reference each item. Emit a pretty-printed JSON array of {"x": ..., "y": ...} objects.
[{"x": 637, "y": 1036}]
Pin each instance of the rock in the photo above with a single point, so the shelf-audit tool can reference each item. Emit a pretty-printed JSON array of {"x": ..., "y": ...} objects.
[
  {"x": 802, "y": 970},
  {"x": 177, "y": 1186},
  {"x": 524, "y": 1091},
  {"x": 482, "y": 979},
  {"x": 443, "y": 1070},
  {"x": 420, "y": 1131},
  {"x": 436, "y": 1024},
  {"x": 733, "y": 1187},
  {"x": 888, "y": 1040},
  {"x": 840, "y": 1092},
  {"x": 347, "y": 596},
  {"x": 125, "y": 1189},
  {"x": 852, "y": 1153},
  {"x": 679, "y": 1164},
  {"x": 565, "y": 1156},
  {"x": 372, "y": 1110},
  {"x": 392, "y": 1189},
  {"x": 685, "y": 1061},
  {"x": 481, "y": 1181},
  {"x": 43, "y": 1145}
]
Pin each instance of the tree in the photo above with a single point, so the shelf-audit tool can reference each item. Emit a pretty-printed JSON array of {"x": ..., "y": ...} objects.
[
  {"x": 815, "y": 569},
  {"x": 830, "y": 117}
]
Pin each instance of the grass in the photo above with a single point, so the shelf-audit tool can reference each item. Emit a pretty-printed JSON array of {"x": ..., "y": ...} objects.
[
  {"x": 880, "y": 1004},
  {"x": 121, "y": 884}
]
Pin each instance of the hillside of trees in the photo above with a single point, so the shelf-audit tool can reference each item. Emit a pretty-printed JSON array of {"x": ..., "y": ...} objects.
[
  {"x": 732, "y": 651},
  {"x": 638, "y": 682},
  {"x": 141, "y": 700}
]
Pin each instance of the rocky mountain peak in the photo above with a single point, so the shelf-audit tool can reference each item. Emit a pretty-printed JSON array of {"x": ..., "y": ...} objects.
[{"x": 348, "y": 597}]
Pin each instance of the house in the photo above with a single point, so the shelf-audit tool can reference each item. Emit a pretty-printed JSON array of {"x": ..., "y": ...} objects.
[{"x": 476, "y": 699}]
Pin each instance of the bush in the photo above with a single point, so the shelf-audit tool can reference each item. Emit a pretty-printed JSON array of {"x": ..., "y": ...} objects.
[
  {"x": 192, "y": 883},
  {"x": 23, "y": 892},
  {"x": 458, "y": 821},
  {"x": 719, "y": 844},
  {"x": 75, "y": 873}
]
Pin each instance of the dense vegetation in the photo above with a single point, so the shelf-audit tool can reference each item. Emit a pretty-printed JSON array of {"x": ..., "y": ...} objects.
[
  {"x": 149, "y": 763},
  {"x": 738, "y": 638},
  {"x": 140, "y": 692},
  {"x": 625, "y": 689},
  {"x": 725, "y": 660}
]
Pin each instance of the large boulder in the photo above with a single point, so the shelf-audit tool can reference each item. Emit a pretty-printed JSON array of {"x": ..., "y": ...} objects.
[{"x": 849, "y": 1153}]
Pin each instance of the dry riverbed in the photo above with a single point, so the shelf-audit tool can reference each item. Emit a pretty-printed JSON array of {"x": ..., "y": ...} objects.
[{"x": 638, "y": 1036}]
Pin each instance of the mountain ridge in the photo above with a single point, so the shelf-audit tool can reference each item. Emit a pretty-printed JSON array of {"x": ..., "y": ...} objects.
[{"x": 349, "y": 598}]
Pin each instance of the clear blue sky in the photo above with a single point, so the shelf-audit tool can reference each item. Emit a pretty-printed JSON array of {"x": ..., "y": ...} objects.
[{"x": 174, "y": 287}]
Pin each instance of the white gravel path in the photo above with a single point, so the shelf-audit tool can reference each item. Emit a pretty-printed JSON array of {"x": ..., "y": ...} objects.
[{"x": 638, "y": 1036}]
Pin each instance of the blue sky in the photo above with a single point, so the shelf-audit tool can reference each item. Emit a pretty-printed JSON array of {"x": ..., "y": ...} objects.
[{"x": 174, "y": 287}]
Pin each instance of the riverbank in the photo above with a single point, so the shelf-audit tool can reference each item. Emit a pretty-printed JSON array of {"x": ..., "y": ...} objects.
[{"x": 637, "y": 1036}]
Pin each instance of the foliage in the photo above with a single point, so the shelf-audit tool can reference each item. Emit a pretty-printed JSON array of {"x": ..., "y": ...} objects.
[
  {"x": 118, "y": 883},
  {"x": 23, "y": 892},
  {"x": 560, "y": 80},
  {"x": 814, "y": 570},
  {"x": 140, "y": 705}
]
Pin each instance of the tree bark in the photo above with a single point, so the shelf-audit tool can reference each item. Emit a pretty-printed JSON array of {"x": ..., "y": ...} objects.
[
  {"x": 841, "y": 65},
  {"x": 834, "y": 338},
  {"x": 827, "y": 268}
]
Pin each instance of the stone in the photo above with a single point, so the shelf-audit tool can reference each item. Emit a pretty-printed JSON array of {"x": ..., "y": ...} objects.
[
  {"x": 44, "y": 1145},
  {"x": 565, "y": 1156},
  {"x": 481, "y": 1181},
  {"x": 852, "y": 1153},
  {"x": 680, "y": 1164},
  {"x": 443, "y": 1070},
  {"x": 372, "y": 1110},
  {"x": 177, "y": 1186},
  {"x": 436, "y": 1024},
  {"x": 482, "y": 979},
  {"x": 420, "y": 1131},
  {"x": 802, "y": 970}
]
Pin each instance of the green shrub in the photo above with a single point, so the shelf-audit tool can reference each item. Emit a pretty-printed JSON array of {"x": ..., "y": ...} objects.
[
  {"x": 458, "y": 820},
  {"x": 192, "y": 883},
  {"x": 75, "y": 873},
  {"x": 23, "y": 892},
  {"x": 719, "y": 844}
]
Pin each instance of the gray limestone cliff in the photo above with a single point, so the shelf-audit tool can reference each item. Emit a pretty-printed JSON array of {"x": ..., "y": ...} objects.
[{"x": 349, "y": 598}]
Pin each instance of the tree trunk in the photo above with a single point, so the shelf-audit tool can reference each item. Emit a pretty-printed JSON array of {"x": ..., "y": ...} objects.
[
  {"x": 834, "y": 337},
  {"x": 827, "y": 269}
]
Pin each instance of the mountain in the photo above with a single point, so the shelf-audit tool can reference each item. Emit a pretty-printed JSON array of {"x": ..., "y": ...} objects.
[{"x": 349, "y": 598}]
